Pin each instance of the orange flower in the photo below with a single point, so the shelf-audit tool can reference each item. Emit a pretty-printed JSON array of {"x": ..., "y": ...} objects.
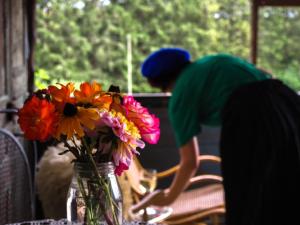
[
  {"x": 117, "y": 103},
  {"x": 62, "y": 95},
  {"x": 90, "y": 95},
  {"x": 38, "y": 119},
  {"x": 88, "y": 92}
]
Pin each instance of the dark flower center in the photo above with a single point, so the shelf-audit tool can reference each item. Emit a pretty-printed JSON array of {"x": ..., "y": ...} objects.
[
  {"x": 113, "y": 88},
  {"x": 70, "y": 109}
]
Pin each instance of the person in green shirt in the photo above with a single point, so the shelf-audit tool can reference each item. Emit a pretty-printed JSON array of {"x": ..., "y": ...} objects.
[{"x": 227, "y": 91}]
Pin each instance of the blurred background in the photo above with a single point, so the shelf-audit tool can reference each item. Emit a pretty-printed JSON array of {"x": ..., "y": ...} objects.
[{"x": 107, "y": 40}]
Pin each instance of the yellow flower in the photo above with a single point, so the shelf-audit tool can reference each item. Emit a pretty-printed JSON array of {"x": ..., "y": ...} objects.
[{"x": 74, "y": 119}]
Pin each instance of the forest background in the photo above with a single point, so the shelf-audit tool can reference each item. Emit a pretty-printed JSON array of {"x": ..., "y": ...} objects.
[{"x": 107, "y": 40}]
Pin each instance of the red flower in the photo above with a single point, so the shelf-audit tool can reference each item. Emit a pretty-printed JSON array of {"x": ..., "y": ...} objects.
[{"x": 37, "y": 119}]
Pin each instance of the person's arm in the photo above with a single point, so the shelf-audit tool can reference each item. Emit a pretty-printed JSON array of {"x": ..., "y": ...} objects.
[{"x": 188, "y": 167}]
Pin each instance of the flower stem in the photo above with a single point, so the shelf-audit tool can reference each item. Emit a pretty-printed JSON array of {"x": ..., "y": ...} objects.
[{"x": 106, "y": 189}]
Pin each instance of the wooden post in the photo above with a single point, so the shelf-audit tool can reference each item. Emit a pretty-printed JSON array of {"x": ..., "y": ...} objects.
[
  {"x": 129, "y": 64},
  {"x": 254, "y": 30},
  {"x": 31, "y": 4}
]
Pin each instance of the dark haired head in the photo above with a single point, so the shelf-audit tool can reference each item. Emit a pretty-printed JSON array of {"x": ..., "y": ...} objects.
[
  {"x": 164, "y": 82},
  {"x": 162, "y": 67}
]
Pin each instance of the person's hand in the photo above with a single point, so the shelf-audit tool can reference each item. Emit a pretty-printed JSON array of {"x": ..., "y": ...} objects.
[{"x": 158, "y": 198}]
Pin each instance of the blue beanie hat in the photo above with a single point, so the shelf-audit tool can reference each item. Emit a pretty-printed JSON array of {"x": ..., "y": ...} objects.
[{"x": 165, "y": 61}]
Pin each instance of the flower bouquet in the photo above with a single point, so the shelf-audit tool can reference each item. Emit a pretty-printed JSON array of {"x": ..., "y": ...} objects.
[{"x": 103, "y": 130}]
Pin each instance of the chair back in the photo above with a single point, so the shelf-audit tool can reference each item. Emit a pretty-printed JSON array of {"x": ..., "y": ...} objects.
[
  {"x": 16, "y": 189},
  {"x": 134, "y": 175},
  {"x": 202, "y": 200}
]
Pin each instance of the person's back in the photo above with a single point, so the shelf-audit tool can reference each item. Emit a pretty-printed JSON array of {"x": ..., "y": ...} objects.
[
  {"x": 260, "y": 150},
  {"x": 202, "y": 89}
]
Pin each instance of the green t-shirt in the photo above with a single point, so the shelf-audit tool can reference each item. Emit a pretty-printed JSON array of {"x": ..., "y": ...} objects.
[{"x": 202, "y": 89}]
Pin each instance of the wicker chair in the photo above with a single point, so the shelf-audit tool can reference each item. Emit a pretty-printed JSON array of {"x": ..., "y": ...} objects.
[
  {"x": 201, "y": 203},
  {"x": 16, "y": 190}
]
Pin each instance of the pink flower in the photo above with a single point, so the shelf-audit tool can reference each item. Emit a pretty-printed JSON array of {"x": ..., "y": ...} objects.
[
  {"x": 147, "y": 124},
  {"x": 128, "y": 138},
  {"x": 122, "y": 157},
  {"x": 120, "y": 168}
]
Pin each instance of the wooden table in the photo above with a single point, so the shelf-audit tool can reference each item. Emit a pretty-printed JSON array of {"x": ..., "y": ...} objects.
[{"x": 65, "y": 222}]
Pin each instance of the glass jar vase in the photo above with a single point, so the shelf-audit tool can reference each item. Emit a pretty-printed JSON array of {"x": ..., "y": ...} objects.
[{"x": 94, "y": 196}]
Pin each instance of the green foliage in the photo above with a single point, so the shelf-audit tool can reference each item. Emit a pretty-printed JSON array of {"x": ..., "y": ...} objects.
[
  {"x": 41, "y": 79},
  {"x": 290, "y": 76},
  {"x": 279, "y": 49},
  {"x": 87, "y": 39}
]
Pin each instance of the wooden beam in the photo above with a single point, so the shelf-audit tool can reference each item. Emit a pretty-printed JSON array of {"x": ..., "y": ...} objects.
[
  {"x": 256, "y": 4},
  {"x": 2, "y": 50},
  {"x": 31, "y": 10},
  {"x": 254, "y": 31},
  {"x": 278, "y": 2}
]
